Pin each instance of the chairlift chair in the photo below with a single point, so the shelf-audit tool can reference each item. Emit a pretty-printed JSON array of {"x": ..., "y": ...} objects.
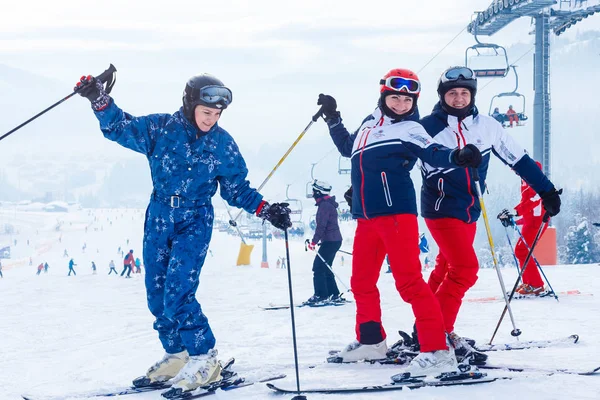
[
  {"x": 309, "y": 192},
  {"x": 487, "y": 51},
  {"x": 344, "y": 165},
  {"x": 504, "y": 119},
  {"x": 295, "y": 206}
]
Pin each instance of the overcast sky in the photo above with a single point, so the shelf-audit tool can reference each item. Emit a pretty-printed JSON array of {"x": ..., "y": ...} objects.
[{"x": 276, "y": 56}]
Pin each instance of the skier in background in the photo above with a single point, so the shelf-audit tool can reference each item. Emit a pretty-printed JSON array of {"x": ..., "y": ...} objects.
[
  {"x": 383, "y": 151},
  {"x": 531, "y": 213},
  {"x": 71, "y": 269},
  {"x": 93, "y": 268},
  {"x": 40, "y": 268},
  {"x": 449, "y": 203},
  {"x": 328, "y": 234},
  {"x": 46, "y": 266},
  {"x": 190, "y": 157},
  {"x": 138, "y": 266},
  {"x": 424, "y": 248},
  {"x": 1, "y": 276},
  {"x": 112, "y": 268},
  {"x": 128, "y": 264}
]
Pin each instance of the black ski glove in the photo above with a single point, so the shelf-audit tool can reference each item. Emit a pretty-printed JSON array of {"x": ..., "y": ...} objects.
[
  {"x": 551, "y": 201},
  {"x": 278, "y": 214},
  {"x": 348, "y": 197},
  {"x": 328, "y": 106},
  {"x": 596, "y": 224},
  {"x": 468, "y": 156},
  {"x": 93, "y": 90},
  {"x": 506, "y": 218}
]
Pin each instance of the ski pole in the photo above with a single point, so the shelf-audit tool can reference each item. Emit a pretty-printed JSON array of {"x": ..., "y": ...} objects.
[
  {"x": 515, "y": 332},
  {"x": 512, "y": 293},
  {"x": 536, "y": 262},
  {"x": 513, "y": 252},
  {"x": 109, "y": 77},
  {"x": 289, "y": 274},
  {"x": 327, "y": 265},
  {"x": 287, "y": 153},
  {"x": 345, "y": 252},
  {"x": 233, "y": 223}
]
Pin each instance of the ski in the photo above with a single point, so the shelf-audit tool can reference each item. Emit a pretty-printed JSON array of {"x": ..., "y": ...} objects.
[
  {"x": 532, "y": 344},
  {"x": 471, "y": 378},
  {"x": 111, "y": 393},
  {"x": 517, "y": 296},
  {"x": 225, "y": 385},
  {"x": 513, "y": 368},
  {"x": 273, "y": 306}
]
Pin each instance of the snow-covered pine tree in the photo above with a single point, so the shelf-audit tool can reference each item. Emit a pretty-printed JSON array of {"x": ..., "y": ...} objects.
[{"x": 580, "y": 245}]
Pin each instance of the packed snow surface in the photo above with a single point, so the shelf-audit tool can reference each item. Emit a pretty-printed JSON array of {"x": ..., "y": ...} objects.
[{"x": 67, "y": 335}]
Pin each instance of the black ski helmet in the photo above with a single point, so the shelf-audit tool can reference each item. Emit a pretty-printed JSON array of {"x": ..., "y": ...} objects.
[
  {"x": 457, "y": 77},
  {"x": 219, "y": 96}
]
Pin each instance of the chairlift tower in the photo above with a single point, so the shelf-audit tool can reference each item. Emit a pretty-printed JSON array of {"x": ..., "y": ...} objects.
[{"x": 500, "y": 14}]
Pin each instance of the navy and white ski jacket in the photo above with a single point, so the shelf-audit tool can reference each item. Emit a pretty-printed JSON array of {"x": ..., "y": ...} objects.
[
  {"x": 383, "y": 153},
  {"x": 449, "y": 192}
]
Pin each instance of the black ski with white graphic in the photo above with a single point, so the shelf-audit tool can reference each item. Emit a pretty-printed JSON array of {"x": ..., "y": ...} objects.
[
  {"x": 273, "y": 306},
  {"x": 532, "y": 344},
  {"x": 232, "y": 383},
  {"x": 470, "y": 378}
]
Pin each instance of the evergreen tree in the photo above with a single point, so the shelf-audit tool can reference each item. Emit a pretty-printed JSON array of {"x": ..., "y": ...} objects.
[{"x": 580, "y": 245}]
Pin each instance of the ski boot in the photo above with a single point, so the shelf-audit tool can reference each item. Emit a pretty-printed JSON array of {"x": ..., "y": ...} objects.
[
  {"x": 200, "y": 371},
  {"x": 163, "y": 370},
  {"x": 465, "y": 352},
  {"x": 357, "y": 351}
]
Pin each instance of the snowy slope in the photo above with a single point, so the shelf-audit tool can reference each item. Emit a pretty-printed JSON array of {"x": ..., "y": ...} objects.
[{"x": 61, "y": 335}]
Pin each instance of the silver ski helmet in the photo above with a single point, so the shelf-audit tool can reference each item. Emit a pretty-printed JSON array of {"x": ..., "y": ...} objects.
[
  {"x": 457, "y": 77},
  {"x": 205, "y": 90},
  {"x": 320, "y": 188}
]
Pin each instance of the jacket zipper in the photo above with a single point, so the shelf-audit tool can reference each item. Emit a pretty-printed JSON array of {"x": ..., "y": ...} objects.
[
  {"x": 386, "y": 189},
  {"x": 466, "y": 171}
]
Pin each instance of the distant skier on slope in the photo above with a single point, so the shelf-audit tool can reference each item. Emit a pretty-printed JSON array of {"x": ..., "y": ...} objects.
[
  {"x": 190, "y": 155},
  {"x": 71, "y": 269}
]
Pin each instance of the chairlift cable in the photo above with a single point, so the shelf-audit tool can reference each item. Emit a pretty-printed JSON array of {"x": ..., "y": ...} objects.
[{"x": 443, "y": 48}]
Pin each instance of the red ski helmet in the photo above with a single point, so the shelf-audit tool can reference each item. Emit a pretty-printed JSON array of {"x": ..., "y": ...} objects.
[{"x": 401, "y": 81}]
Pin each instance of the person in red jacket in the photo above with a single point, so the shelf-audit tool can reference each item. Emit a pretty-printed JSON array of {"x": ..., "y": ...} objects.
[
  {"x": 531, "y": 212},
  {"x": 128, "y": 264},
  {"x": 512, "y": 116}
]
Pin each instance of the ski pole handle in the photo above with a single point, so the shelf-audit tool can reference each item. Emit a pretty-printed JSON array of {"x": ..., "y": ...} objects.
[{"x": 318, "y": 114}]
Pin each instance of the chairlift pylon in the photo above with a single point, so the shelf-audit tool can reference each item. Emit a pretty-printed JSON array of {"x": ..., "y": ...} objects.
[
  {"x": 490, "y": 50},
  {"x": 503, "y": 118}
]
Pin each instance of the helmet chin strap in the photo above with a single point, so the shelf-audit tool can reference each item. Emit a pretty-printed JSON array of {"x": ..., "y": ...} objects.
[{"x": 458, "y": 112}]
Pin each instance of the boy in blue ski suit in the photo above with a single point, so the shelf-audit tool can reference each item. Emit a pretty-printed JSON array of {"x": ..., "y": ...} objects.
[{"x": 189, "y": 156}]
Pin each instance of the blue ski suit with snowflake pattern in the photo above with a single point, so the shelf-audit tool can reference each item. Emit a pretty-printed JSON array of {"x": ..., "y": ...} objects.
[{"x": 186, "y": 165}]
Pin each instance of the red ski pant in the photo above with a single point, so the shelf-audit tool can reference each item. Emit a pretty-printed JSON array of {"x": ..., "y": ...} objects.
[
  {"x": 456, "y": 265},
  {"x": 398, "y": 237},
  {"x": 531, "y": 275}
]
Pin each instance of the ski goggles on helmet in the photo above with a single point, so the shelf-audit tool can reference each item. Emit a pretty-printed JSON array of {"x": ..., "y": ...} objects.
[
  {"x": 401, "y": 84},
  {"x": 217, "y": 95},
  {"x": 456, "y": 73}
]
